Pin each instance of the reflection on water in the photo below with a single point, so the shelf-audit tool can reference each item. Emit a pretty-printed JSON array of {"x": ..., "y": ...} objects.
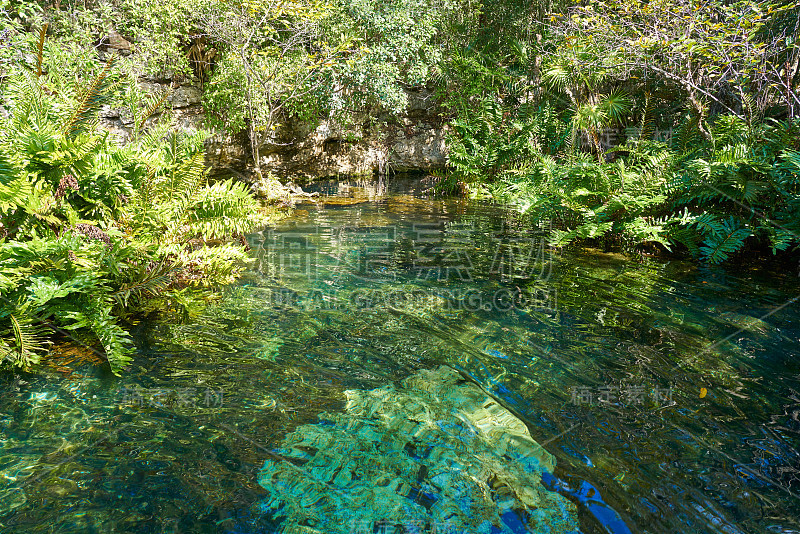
[{"x": 602, "y": 358}]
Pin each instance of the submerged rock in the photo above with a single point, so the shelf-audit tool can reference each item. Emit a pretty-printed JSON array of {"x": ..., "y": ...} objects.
[{"x": 435, "y": 454}]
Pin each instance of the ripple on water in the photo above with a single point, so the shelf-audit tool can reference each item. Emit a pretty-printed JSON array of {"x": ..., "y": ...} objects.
[{"x": 176, "y": 445}]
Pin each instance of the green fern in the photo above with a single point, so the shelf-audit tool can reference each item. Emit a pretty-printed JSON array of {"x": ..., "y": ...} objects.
[
  {"x": 97, "y": 318},
  {"x": 85, "y": 114},
  {"x": 222, "y": 209},
  {"x": 92, "y": 231},
  {"x": 187, "y": 178},
  {"x": 647, "y": 127},
  {"x": 727, "y": 238},
  {"x": 24, "y": 341},
  {"x": 687, "y": 237},
  {"x": 687, "y": 138},
  {"x": 148, "y": 281},
  {"x": 781, "y": 238}
]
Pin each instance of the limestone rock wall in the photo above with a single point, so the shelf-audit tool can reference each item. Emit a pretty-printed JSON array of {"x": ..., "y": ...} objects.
[{"x": 367, "y": 145}]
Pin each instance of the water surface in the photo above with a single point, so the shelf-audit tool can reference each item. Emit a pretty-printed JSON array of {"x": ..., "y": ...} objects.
[{"x": 602, "y": 357}]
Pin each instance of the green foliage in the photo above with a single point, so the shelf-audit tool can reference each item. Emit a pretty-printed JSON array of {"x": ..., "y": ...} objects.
[
  {"x": 534, "y": 99},
  {"x": 24, "y": 342},
  {"x": 724, "y": 238},
  {"x": 743, "y": 184},
  {"x": 534, "y": 93},
  {"x": 394, "y": 44},
  {"x": 712, "y": 53},
  {"x": 64, "y": 282},
  {"x": 223, "y": 99},
  {"x": 587, "y": 200},
  {"x": 93, "y": 232},
  {"x": 711, "y": 197},
  {"x": 496, "y": 140}
]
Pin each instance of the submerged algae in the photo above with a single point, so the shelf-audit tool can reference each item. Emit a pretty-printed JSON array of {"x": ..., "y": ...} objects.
[{"x": 433, "y": 452}]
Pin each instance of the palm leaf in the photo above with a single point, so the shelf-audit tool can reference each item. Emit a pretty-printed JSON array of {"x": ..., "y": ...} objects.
[{"x": 616, "y": 105}]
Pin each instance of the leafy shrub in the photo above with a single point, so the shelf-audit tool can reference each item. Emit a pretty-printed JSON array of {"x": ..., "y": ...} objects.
[{"x": 93, "y": 232}]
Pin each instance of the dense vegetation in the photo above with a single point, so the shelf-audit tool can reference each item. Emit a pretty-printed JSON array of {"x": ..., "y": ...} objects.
[
  {"x": 671, "y": 124},
  {"x": 656, "y": 125},
  {"x": 91, "y": 231}
]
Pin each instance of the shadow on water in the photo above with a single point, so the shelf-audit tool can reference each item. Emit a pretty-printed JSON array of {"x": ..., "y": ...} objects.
[{"x": 673, "y": 390}]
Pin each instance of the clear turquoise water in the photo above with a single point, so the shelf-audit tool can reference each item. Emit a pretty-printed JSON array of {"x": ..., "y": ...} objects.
[{"x": 602, "y": 357}]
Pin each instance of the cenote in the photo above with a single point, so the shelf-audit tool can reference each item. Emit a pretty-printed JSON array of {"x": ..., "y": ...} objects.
[{"x": 667, "y": 393}]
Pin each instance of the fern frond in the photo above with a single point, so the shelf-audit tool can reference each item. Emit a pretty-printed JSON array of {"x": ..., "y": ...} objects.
[
  {"x": 687, "y": 138},
  {"x": 7, "y": 352},
  {"x": 219, "y": 210},
  {"x": 781, "y": 238},
  {"x": 750, "y": 190},
  {"x": 157, "y": 103},
  {"x": 787, "y": 171},
  {"x": 22, "y": 94},
  {"x": 116, "y": 342},
  {"x": 729, "y": 239},
  {"x": 708, "y": 223},
  {"x": 148, "y": 283},
  {"x": 648, "y": 124},
  {"x": 687, "y": 238},
  {"x": 15, "y": 190},
  {"x": 40, "y": 49},
  {"x": 86, "y": 111},
  {"x": 189, "y": 176},
  {"x": 214, "y": 266},
  {"x": 25, "y": 341},
  {"x": 562, "y": 238}
]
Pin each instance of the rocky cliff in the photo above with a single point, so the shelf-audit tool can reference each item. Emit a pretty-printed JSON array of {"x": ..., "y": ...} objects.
[{"x": 414, "y": 141}]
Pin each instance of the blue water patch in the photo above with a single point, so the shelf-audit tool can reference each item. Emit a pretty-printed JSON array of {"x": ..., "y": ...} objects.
[
  {"x": 495, "y": 352},
  {"x": 589, "y": 497},
  {"x": 582, "y": 457}
]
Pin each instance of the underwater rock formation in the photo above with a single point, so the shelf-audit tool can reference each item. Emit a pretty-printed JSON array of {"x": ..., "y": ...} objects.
[{"x": 435, "y": 454}]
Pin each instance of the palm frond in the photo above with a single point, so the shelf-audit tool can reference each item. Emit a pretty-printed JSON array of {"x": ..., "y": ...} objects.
[{"x": 616, "y": 105}]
